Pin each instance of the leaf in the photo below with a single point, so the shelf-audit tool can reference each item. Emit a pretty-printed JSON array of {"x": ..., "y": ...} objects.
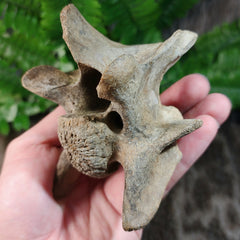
[
  {"x": 50, "y": 22},
  {"x": 21, "y": 122},
  {"x": 131, "y": 22},
  {"x": 11, "y": 112},
  {"x": 215, "y": 55},
  {"x": 4, "y": 127},
  {"x": 173, "y": 10}
]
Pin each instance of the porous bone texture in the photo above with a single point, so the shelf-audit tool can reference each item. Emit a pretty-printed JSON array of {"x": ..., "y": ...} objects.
[{"x": 114, "y": 114}]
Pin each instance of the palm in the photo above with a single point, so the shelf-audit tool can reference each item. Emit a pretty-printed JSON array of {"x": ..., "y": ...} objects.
[
  {"x": 93, "y": 209},
  {"x": 73, "y": 216}
]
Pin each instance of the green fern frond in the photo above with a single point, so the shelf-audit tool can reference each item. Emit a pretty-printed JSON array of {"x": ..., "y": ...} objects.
[
  {"x": 216, "y": 55},
  {"x": 50, "y": 22},
  {"x": 9, "y": 82},
  {"x": 11, "y": 94},
  {"x": 17, "y": 105},
  {"x": 30, "y": 7},
  {"x": 131, "y": 22},
  {"x": 220, "y": 38},
  {"x": 17, "y": 48},
  {"x": 173, "y": 10},
  {"x": 92, "y": 11},
  {"x": 15, "y": 13},
  {"x": 21, "y": 41},
  {"x": 144, "y": 13}
]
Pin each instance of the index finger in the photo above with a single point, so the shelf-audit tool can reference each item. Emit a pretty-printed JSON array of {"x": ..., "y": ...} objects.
[
  {"x": 46, "y": 130},
  {"x": 186, "y": 92}
]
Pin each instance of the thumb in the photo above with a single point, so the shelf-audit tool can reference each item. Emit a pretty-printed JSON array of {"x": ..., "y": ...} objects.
[{"x": 35, "y": 153}]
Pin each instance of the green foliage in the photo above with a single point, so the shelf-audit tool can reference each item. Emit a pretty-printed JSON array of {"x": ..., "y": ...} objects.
[
  {"x": 133, "y": 21},
  {"x": 22, "y": 46},
  {"x": 216, "y": 55},
  {"x": 174, "y": 9},
  {"x": 50, "y": 21},
  {"x": 31, "y": 35},
  {"x": 16, "y": 104},
  {"x": 138, "y": 21}
]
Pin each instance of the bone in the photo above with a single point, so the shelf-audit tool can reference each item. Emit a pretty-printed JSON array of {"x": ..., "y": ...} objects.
[{"x": 114, "y": 113}]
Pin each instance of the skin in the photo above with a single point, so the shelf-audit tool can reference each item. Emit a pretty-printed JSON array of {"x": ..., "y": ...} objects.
[{"x": 93, "y": 209}]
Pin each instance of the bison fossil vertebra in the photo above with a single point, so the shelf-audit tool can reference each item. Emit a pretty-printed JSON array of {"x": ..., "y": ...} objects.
[{"x": 114, "y": 114}]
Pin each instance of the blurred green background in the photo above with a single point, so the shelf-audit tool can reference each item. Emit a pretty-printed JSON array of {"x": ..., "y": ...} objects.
[{"x": 31, "y": 35}]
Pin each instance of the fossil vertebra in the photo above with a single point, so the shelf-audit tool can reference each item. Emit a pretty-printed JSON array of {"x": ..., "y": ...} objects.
[{"x": 114, "y": 114}]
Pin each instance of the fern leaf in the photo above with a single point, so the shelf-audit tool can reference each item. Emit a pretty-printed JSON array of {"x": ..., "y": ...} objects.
[
  {"x": 216, "y": 55},
  {"x": 16, "y": 103},
  {"x": 92, "y": 11},
  {"x": 173, "y": 10},
  {"x": 31, "y": 7},
  {"x": 131, "y": 22},
  {"x": 51, "y": 12}
]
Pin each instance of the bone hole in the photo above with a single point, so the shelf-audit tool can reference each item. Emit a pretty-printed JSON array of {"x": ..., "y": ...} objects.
[
  {"x": 89, "y": 82},
  {"x": 114, "y": 122}
]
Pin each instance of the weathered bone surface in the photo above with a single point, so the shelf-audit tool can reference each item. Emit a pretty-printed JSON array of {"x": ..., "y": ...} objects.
[{"x": 114, "y": 114}]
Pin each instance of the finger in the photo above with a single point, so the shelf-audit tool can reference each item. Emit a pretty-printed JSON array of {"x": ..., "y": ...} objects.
[
  {"x": 216, "y": 105},
  {"x": 114, "y": 188},
  {"x": 46, "y": 130},
  {"x": 213, "y": 110},
  {"x": 32, "y": 154},
  {"x": 192, "y": 147},
  {"x": 187, "y": 92}
]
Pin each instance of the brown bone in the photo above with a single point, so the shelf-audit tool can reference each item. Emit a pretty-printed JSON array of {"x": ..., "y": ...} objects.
[{"x": 114, "y": 114}]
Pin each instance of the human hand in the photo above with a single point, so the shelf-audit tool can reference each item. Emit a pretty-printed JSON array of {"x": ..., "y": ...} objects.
[{"x": 93, "y": 209}]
